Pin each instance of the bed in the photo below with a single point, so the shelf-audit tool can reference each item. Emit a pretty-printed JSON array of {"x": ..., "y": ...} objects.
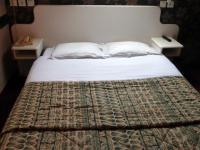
[
  {"x": 92, "y": 108},
  {"x": 140, "y": 102}
]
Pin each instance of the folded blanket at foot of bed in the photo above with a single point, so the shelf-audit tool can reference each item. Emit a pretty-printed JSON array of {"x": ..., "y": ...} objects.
[
  {"x": 162, "y": 112},
  {"x": 187, "y": 137}
]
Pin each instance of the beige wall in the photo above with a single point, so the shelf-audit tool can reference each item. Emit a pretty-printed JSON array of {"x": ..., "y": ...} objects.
[{"x": 5, "y": 60}]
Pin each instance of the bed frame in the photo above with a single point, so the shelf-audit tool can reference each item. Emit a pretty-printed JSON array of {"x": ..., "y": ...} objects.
[{"x": 78, "y": 23}]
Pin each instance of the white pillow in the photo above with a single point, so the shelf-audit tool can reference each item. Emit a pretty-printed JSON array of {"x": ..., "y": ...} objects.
[
  {"x": 48, "y": 52},
  {"x": 77, "y": 50},
  {"x": 127, "y": 49}
]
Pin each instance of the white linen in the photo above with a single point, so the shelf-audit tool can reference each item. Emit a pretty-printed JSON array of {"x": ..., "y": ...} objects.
[
  {"x": 127, "y": 49},
  {"x": 77, "y": 50},
  {"x": 48, "y": 52},
  {"x": 45, "y": 69}
]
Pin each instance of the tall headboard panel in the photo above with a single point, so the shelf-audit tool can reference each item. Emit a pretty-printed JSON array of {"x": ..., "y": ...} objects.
[{"x": 74, "y": 23}]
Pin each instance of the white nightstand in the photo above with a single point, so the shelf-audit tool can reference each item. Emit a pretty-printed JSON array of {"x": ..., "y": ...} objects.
[
  {"x": 170, "y": 49},
  {"x": 25, "y": 55},
  {"x": 28, "y": 52}
]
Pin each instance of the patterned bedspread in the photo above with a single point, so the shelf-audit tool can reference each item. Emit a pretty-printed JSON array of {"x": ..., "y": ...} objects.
[{"x": 157, "y": 113}]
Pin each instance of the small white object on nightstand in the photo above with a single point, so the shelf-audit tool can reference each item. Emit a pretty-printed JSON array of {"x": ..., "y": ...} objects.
[
  {"x": 170, "y": 49},
  {"x": 29, "y": 51}
]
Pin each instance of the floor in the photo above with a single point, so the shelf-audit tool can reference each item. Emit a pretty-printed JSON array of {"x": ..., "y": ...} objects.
[{"x": 14, "y": 86}]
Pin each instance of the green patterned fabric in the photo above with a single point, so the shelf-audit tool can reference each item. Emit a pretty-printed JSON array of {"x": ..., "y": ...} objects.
[
  {"x": 118, "y": 113},
  {"x": 155, "y": 139}
]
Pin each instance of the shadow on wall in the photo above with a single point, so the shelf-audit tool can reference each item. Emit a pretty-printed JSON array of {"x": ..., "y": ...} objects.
[{"x": 9, "y": 65}]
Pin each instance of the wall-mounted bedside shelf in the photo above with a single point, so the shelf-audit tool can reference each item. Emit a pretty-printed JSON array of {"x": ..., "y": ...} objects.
[
  {"x": 170, "y": 49},
  {"x": 29, "y": 51},
  {"x": 25, "y": 55}
]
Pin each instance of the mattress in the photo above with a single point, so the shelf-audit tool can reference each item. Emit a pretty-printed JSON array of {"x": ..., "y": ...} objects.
[
  {"x": 47, "y": 69},
  {"x": 145, "y": 107}
]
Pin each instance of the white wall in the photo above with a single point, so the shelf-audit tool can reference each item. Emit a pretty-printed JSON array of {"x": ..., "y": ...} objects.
[{"x": 4, "y": 47}]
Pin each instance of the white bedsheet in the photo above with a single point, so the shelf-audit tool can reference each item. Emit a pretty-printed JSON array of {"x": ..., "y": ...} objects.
[{"x": 140, "y": 67}]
